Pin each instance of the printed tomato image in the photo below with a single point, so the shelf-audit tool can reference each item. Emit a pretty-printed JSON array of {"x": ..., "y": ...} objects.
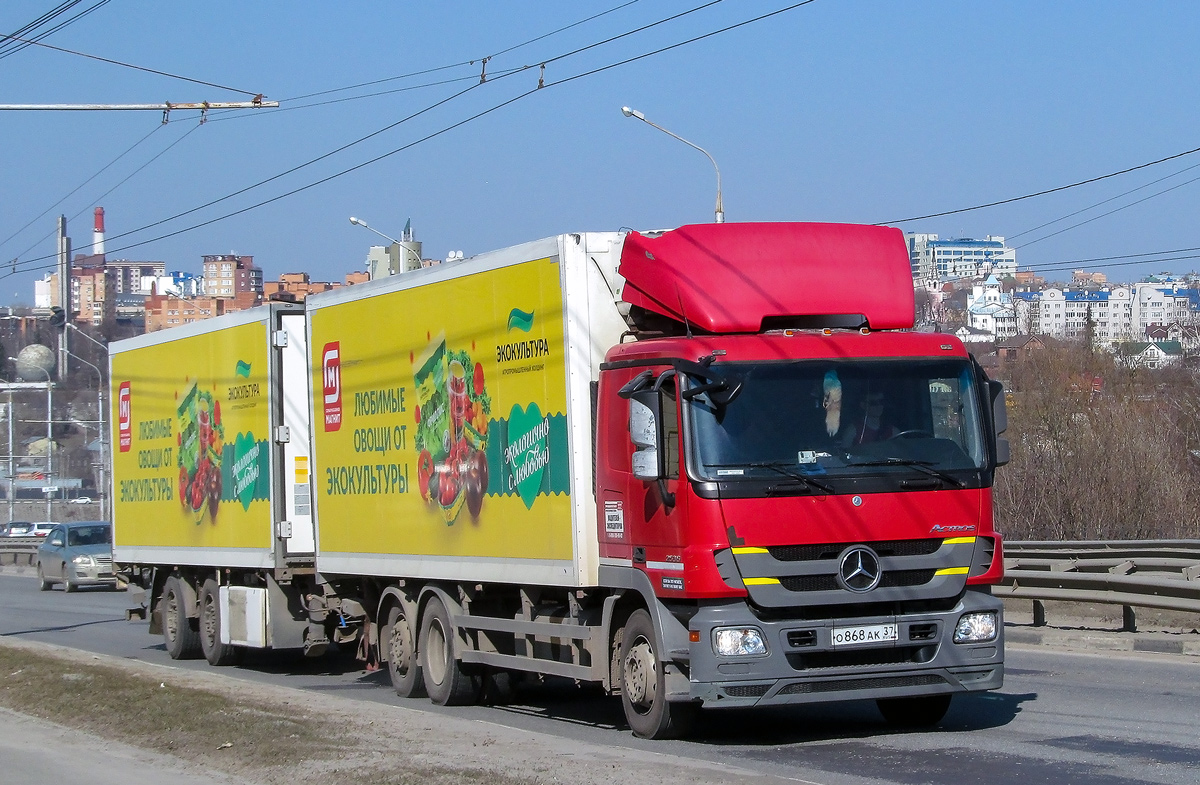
[
  {"x": 452, "y": 408},
  {"x": 201, "y": 442}
]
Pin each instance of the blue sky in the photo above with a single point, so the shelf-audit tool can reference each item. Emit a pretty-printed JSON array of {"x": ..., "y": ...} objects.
[{"x": 841, "y": 110}]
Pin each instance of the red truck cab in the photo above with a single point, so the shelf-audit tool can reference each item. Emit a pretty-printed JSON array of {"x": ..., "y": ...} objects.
[{"x": 802, "y": 482}]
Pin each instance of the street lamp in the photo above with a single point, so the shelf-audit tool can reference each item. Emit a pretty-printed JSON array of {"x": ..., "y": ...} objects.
[
  {"x": 720, "y": 211},
  {"x": 49, "y": 427},
  {"x": 101, "y": 431},
  {"x": 363, "y": 224}
]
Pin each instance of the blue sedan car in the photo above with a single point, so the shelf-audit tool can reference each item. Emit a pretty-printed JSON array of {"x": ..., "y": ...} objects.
[{"x": 76, "y": 554}]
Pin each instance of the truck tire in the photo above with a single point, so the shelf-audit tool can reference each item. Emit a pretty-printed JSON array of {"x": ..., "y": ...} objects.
[
  {"x": 181, "y": 638},
  {"x": 446, "y": 681},
  {"x": 214, "y": 651},
  {"x": 643, "y": 685},
  {"x": 919, "y": 712},
  {"x": 403, "y": 664}
]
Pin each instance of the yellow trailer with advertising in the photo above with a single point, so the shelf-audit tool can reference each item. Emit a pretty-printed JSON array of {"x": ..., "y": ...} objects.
[
  {"x": 453, "y": 458},
  {"x": 204, "y": 424}
]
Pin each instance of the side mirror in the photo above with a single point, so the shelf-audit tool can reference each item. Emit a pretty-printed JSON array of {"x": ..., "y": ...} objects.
[
  {"x": 56, "y": 542},
  {"x": 999, "y": 420},
  {"x": 645, "y": 414}
]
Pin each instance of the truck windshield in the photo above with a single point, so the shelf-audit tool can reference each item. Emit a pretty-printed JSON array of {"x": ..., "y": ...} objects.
[{"x": 823, "y": 419}]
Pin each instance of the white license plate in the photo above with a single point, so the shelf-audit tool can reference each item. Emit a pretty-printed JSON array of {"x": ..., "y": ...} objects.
[{"x": 870, "y": 633}]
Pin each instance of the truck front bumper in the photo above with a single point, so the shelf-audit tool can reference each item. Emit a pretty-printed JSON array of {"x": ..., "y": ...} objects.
[{"x": 802, "y": 664}]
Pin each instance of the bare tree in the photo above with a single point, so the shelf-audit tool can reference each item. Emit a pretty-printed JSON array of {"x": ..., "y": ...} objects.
[{"x": 1099, "y": 451}]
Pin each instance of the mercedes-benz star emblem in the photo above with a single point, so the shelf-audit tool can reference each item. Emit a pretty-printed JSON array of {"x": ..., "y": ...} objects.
[{"x": 859, "y": 569}]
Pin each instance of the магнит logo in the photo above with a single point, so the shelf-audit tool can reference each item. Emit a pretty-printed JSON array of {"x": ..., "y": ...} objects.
[
  {"x": 125, "y": 417},
  {"x": 331, "y": 383}
]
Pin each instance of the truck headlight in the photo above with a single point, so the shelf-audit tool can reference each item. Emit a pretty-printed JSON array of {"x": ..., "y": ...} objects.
[
  {"x": 739, "y": 642},
  {"x": 83, "y": 561},
  {"x": 976, "y": 627}
]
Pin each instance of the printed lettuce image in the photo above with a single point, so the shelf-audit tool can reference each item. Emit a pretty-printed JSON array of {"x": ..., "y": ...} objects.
[
  {"x": 452, "y": 412},
  {"x": 200, "y": 439}
]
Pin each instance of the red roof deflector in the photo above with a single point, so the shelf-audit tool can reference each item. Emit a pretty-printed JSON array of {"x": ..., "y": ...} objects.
[{"x": 727, "y": 278}]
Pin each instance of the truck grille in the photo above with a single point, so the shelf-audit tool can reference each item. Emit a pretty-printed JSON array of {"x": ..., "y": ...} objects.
[
  {"x": 796, "y": 576},
  {"x": 829, "y": 582},
  {"x": 883, "y": 548}
]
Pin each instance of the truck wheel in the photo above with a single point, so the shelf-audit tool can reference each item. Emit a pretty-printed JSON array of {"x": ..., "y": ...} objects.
[
  {"x": 445, "y": 679},
  {"x": 403, "y": 665},
  {"x": 183, "y": 640},
  {"x": 215, "y": 652},
  {"x": 43, "y": 584},
  {"x": 643, "y": 685},
  {"x": 920, "y": 712}
]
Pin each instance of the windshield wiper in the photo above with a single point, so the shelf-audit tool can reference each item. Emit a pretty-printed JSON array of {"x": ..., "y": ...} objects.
[
  {"x": 921, "y": 466},
  {"x": 780, "y": 467}
]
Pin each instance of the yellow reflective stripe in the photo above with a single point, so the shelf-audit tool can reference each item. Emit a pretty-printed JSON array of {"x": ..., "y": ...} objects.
[
  {"x": 958, "y": 540},
  {"x": 953, "y": 571},
  {"x": 741, "y": 551},
  {"x": 760, "y": 581}
]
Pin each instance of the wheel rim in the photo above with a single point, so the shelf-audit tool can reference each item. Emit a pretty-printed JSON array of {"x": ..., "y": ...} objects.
[
  {"x": 171, "y": 616},
  {"x": 400, "y": 646},
  {"x": 439, "y": 651},
  {"x": 641, "y": 677},
  {"x": 208, "y": 616}
]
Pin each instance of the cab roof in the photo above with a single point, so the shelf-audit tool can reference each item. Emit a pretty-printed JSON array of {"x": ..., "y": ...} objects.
[{"x": 730, "y": 278}]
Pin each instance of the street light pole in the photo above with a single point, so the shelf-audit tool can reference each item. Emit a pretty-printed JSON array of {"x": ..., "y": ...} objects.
[
  {"x": 363, "y": 224},
  {"x": 101, "y": 434},
  {"x": 720, "y": 211},
  {"x": 49, "y": 430}
]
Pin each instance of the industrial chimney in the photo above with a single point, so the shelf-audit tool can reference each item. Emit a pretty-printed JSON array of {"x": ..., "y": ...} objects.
[{"x": 98, "y": 233}]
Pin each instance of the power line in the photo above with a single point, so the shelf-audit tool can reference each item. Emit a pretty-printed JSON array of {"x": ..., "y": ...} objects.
[
  {"x": 503, "y": 51},
  {"x": 462, "y": 63},
  {"x": 1058, "y": 266},
  {"x": 1101, "y": 202},
  {"x": 47, "y": 33},
  {"x": 424, "y": 138},
  {"x": 41, "y": 20},
  {"x": 391, "y": 126},
  {"x": 1110, "y": 212},
  {"x": 76, "y": 190},
  {"x": 1041, "y": 193},
  {"x": 135, "y": 67}
]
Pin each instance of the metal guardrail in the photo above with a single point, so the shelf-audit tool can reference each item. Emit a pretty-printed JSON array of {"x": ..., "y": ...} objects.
[
  {"x": 20, "y": 551},
  {"x": 1161, "y": 574}
]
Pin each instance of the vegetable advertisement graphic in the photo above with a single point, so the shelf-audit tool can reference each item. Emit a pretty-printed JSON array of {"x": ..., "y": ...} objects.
[
  {"x": 196, "y": 471},
  {"x": 452, "y": 440}
]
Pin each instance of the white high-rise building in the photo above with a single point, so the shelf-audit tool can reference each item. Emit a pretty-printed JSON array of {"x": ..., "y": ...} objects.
[{"x": 934, "y": 259}]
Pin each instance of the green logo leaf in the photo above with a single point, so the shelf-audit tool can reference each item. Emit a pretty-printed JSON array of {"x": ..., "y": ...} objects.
[
  {"x": 519, "y": 320},
  {"x": 528, "y": 451},
  {"x": 243, "y": 369},
  {"x": 249, "y": 462}
]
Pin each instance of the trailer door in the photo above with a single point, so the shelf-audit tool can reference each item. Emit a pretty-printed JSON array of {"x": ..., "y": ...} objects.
[{"x": 296, "y": 529}]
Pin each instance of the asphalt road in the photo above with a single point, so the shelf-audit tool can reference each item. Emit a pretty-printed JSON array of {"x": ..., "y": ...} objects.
[{"x": 1103, "y": 718}]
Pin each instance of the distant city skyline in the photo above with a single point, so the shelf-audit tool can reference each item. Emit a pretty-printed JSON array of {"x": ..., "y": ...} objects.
[{"x": 852, "y": 112}]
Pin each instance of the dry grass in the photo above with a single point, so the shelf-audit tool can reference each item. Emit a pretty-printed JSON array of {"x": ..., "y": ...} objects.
[{"x": 247, "y": 736}]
